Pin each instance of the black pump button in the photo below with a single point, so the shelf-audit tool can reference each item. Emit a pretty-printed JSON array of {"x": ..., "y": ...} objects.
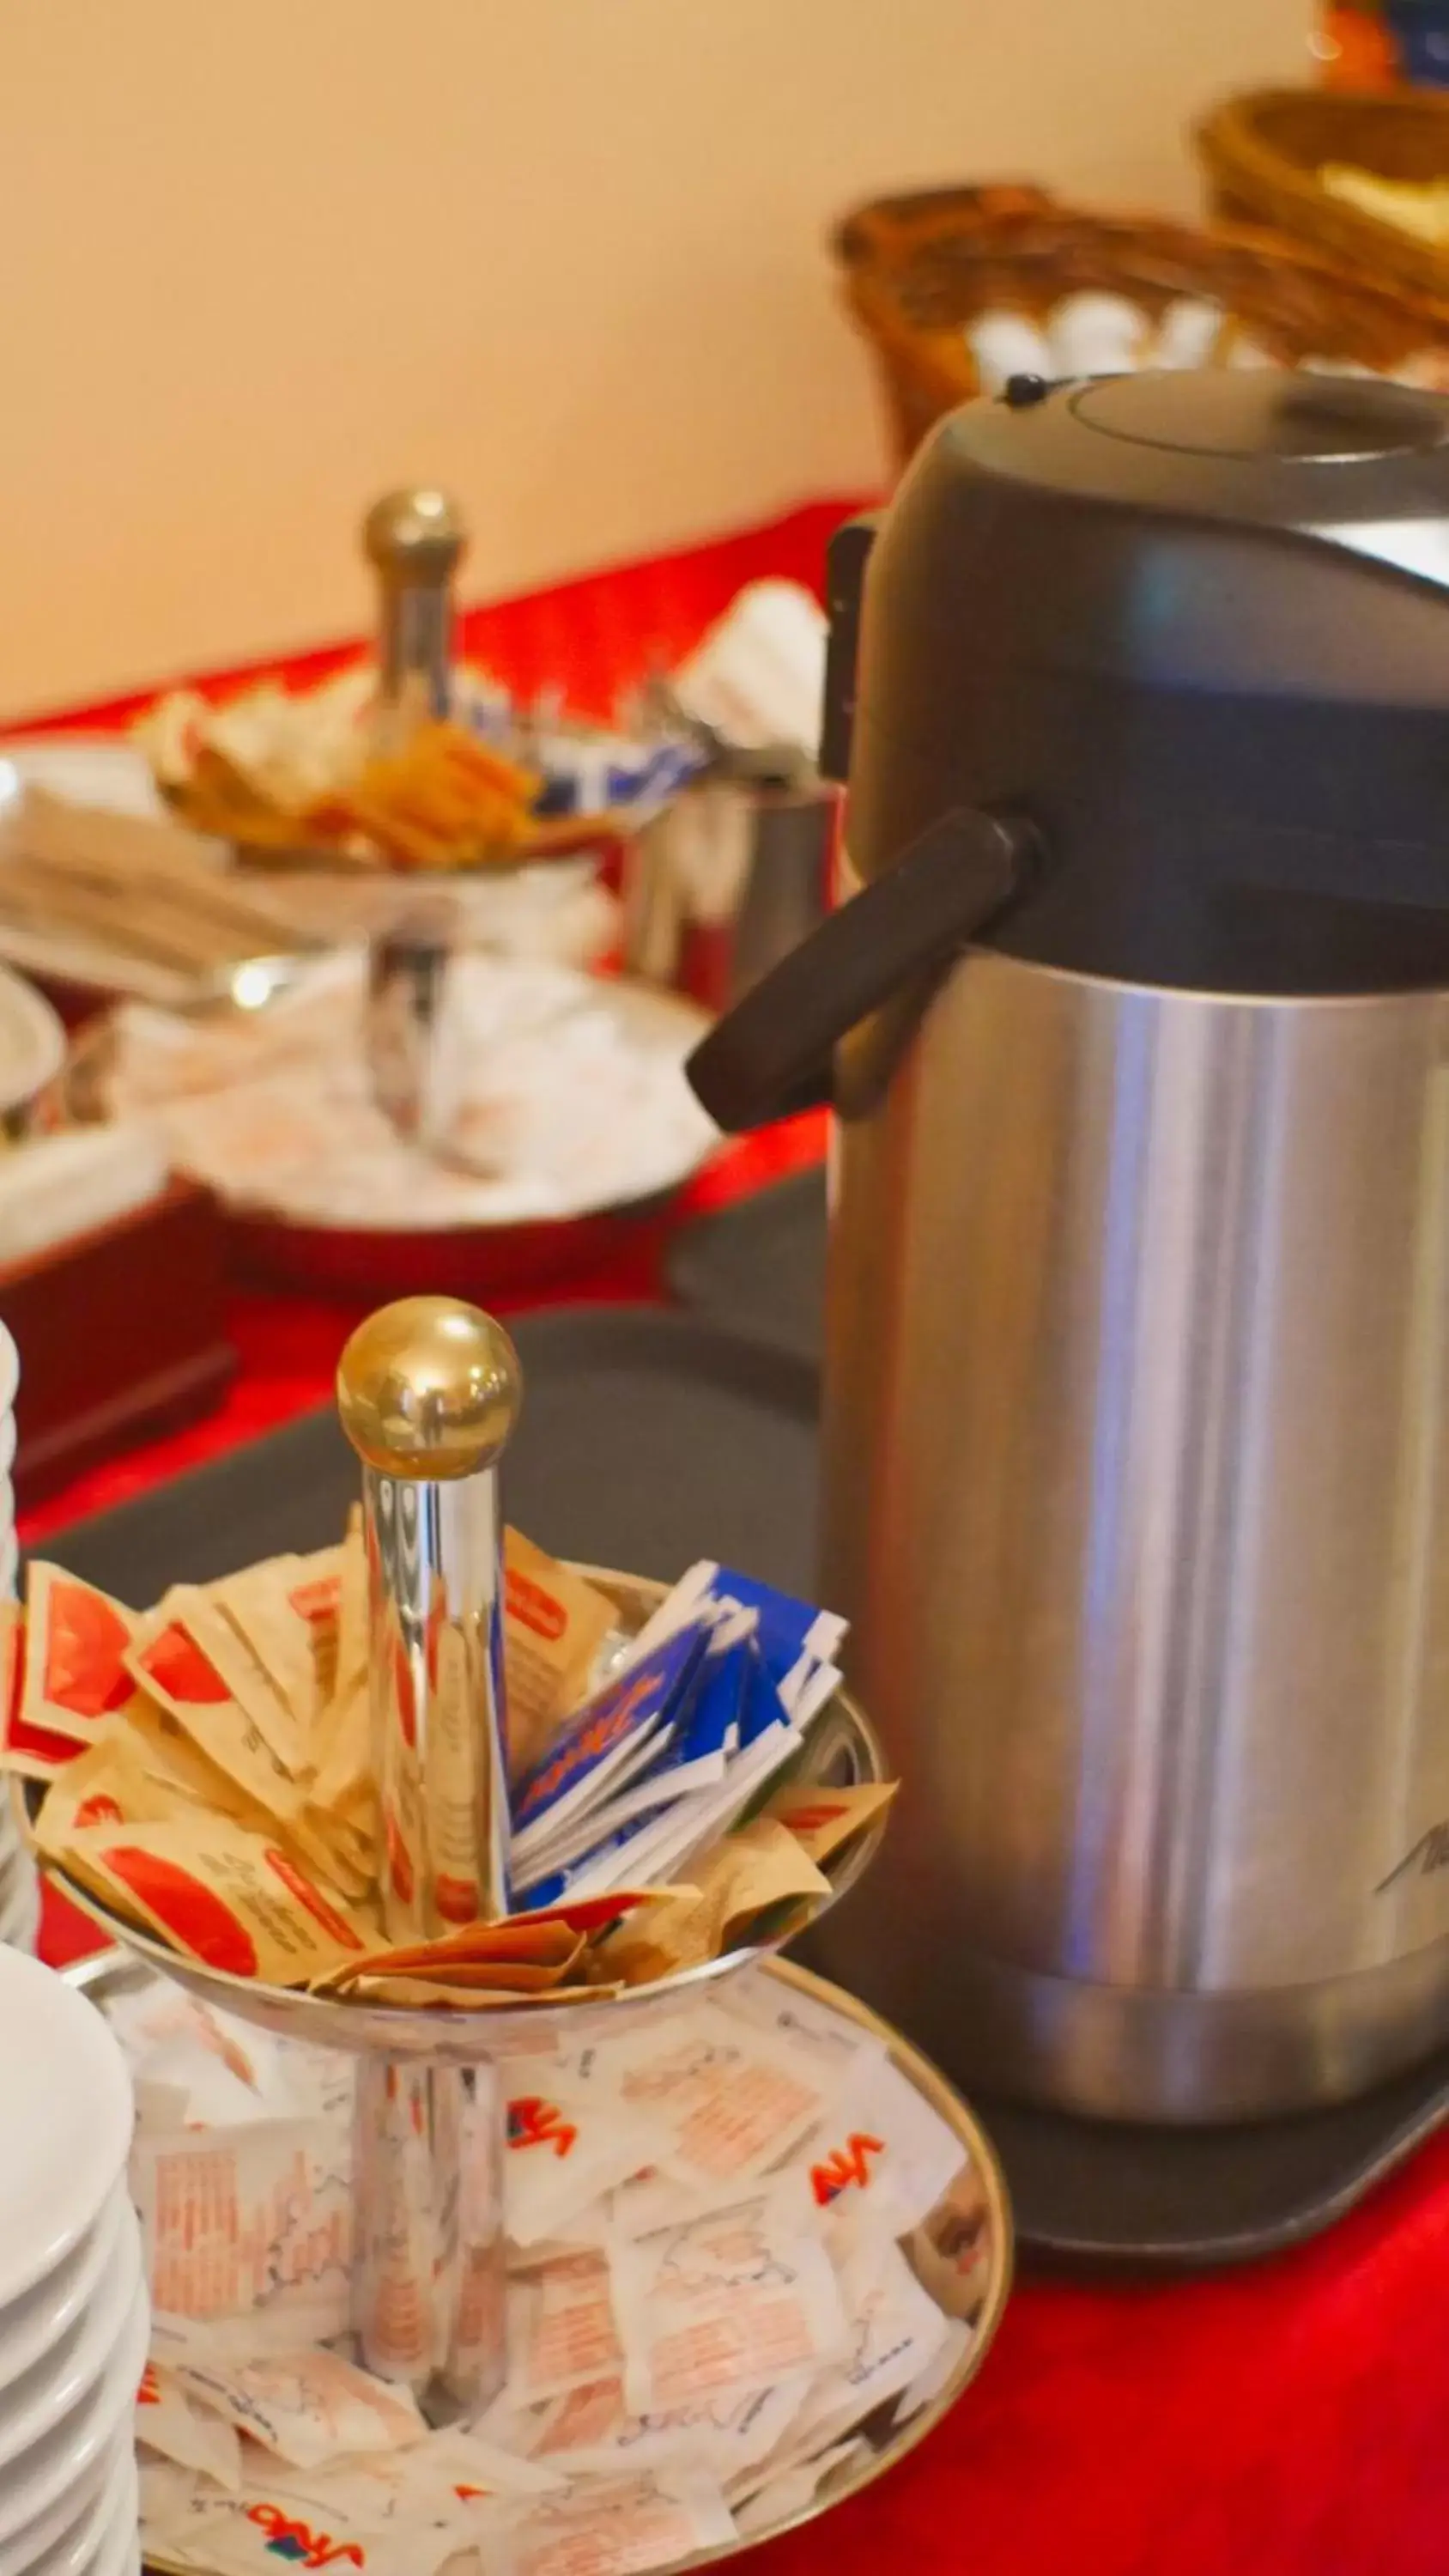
[
  {"x": 1267, "y": 413},
  {"x": 1020, "y": 392}
]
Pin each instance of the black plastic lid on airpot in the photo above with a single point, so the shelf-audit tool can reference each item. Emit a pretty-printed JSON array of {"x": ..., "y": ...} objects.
[{"x": 1197, "y": 628}]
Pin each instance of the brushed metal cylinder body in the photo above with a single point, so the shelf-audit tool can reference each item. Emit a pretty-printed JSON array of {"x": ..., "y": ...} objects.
[{"x": 1137, "y": 1497}]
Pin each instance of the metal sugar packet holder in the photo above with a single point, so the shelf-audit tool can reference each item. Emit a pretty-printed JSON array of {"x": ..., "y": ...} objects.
[{"x": 429, "y": 1392}]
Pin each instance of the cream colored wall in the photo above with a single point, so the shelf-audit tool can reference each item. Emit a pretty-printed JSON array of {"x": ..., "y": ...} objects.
[{"x": 263, "y": 257}]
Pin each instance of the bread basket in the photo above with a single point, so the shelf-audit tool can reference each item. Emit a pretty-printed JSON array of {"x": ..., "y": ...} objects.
[
  {"x": 1263, "y": 151},
  {"x": 919, "y": 271}
]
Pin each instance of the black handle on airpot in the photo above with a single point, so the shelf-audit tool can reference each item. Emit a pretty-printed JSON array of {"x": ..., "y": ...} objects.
[{"x": 772, "y": 1053}]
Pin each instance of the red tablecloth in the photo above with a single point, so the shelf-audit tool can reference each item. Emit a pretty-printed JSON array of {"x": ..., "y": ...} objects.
[{"x": 1290, "y": 2417}]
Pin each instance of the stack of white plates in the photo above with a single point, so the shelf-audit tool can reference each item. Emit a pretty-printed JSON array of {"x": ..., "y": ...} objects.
[
  {"x": 73, "y": 2311},
  {"x": 19, "y": 1891}
]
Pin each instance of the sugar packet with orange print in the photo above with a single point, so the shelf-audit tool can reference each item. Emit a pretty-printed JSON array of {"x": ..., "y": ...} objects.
[
  {"x": 31, "y": 1752},
  {"x": 169, "y": 2423},
  {"x": 760, "y": 1865},
  {"x": 562, "y": 2332},
  {"x": 106, "y": 1785},
  {"x": 174, "y": 1660},
  {"x": 824, "y": 1820},
  {"x": 278, "y": 1608},
  {"x": 76, "y": 1643},
  {"x": 554, "y": 1625},
  {"x": 307, "y": 2406},
  {"x": 232, "y": 1899},
  {"x": 248, "y": 2229},
  {"x": 619, "y": 2526},
  {"x": 420, "y": 1994},
  {"x": 729, "y": 2300},
  {"x": 730, "y": 2100},
  {"x": 286, "y": 1731}
]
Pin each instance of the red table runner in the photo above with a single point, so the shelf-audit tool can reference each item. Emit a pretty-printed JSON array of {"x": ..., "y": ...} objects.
[{"x": 1289, "y": 2417}]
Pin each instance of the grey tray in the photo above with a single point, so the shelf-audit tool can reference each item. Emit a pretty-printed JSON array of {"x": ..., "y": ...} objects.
[
  {"x": 649, "y": 1440},
  {"x": 758, "y": 1269}
]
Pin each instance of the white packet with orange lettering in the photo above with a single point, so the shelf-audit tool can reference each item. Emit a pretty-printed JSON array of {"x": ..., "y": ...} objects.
[
  {"x": 623, "y": 2526},
  {"x": 562, "y": 2332},
  {"x": 569, "y": 2141},
  {"x": 452, "y": 2476},
  {"x": 728, "y": 2301},
  {"x": 729, "y": 2099},
  {"x": 252, "y": 2534},
  {"x": 591, "y": 2432},
  {"x": 249, "y": 2225},
  {"x": 895, "y": 2333},
  {"x": 879, "y": 2163},
  {"x": 170, "y": 2423},
  {"x": 305, "y": 2404}
]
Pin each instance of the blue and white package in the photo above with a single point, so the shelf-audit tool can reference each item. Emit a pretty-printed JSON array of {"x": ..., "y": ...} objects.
[
  {"x": 770, "y": 1739},
  {"x": 796, "y": 1639},
  {"x": 694, "y": 1755},
  {"x": 588, "y": 770},
  {"x": 647, "y": 1849},
  {"x": 794, "y": 1636},
  {"x": 712, "y": 1701},
  {"x": 606, "y": 1741},
  {"x": 620, "y": 1861}
]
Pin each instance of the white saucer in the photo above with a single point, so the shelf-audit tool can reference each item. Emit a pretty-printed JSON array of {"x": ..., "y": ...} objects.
[
  {"x": 120, "y": 2546},
  {"x": 80, "y": 2505},
  {"x": 73, "y": 2449},
  {"x": 67, "y": 2131},
  {"x": 61, "y": 2378},
  {"x": 112, "y": 2516},
  {"x": 46, "y": 2315}
]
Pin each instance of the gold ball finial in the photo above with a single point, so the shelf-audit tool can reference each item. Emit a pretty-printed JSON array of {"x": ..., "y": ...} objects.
[
  {"x": 429, "y": 1387},
  {"x": 418, "y": 531}
]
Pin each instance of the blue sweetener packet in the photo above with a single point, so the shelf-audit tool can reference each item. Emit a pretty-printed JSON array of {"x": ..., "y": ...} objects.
[
  {"x": 625, "y": 1858},
  {"x": 769, "y": 1739},
  {"x": 694, "y": 1756},
  {"x": 794, "y": 1637},
  {"x": 607, "y": 1740}
]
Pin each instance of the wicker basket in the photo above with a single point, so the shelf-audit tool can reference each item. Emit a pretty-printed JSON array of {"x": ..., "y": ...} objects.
[
  {"x": 918, "y": 270},
  {"x": 1263, "y": 152}
]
